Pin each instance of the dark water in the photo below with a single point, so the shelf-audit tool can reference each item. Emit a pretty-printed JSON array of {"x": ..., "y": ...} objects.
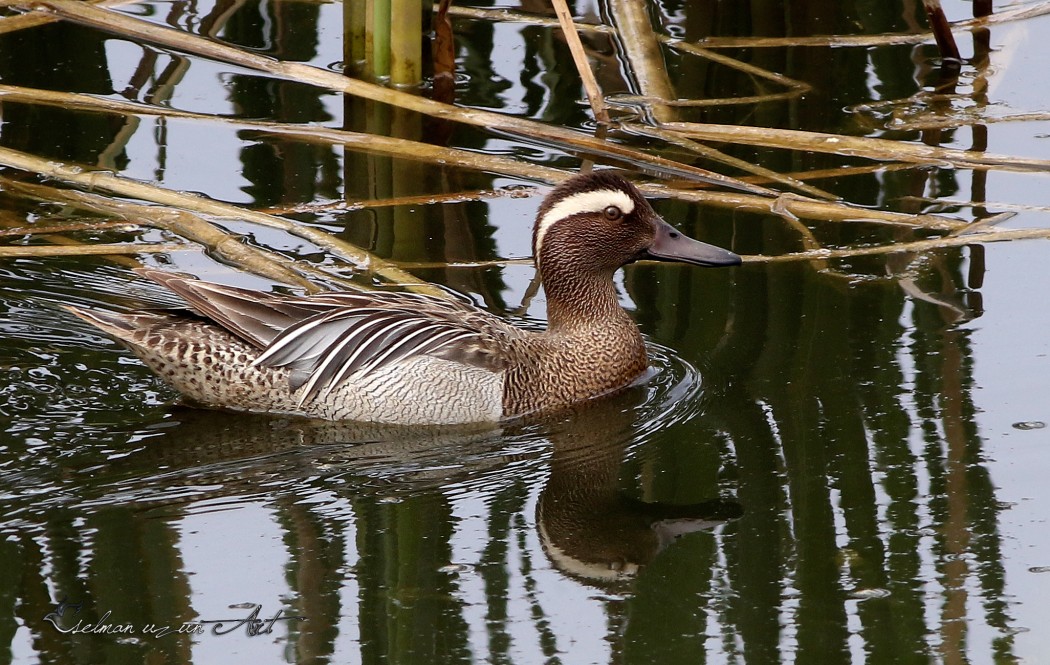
[{"x": 831, "y": 462}]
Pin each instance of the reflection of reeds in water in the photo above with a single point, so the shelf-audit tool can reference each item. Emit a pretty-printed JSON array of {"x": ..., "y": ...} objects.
[{"x": 378, "y": 500}]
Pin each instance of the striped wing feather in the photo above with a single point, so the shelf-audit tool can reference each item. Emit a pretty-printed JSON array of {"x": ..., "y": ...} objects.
[
  {"x": 324, "y": 339},
  {"x": 323, "y": 351}
]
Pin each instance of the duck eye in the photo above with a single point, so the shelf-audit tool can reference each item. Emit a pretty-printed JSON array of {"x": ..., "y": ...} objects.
[{"x": 612, "y": 213}]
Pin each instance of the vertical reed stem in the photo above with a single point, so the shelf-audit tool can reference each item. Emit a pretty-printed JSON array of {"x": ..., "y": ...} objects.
[
  {"x": 353, "y": 34},
  {"x": 583, "y": 66},
  {"x": 369, "y": 69},
  {"x": 406, "y": 42},
  {"x": 942, "y": 32},
  {"x": 381, "y": 38}
]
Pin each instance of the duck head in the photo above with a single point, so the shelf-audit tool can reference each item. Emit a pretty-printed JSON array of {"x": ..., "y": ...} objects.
[{"x": 597, "y": 222}]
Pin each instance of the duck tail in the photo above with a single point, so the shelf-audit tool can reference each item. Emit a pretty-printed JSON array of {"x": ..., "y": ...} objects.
[{"x": 117, "y": 324}]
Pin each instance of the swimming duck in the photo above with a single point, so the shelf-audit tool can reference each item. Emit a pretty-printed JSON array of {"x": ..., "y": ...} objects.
[{"x": 405, "y": 358}]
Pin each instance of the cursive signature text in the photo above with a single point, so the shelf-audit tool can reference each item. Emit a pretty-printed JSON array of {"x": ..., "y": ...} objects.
[{"x": 252, "y": 624}]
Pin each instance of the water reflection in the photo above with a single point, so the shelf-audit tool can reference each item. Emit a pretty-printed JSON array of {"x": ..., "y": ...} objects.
[
  {"x": 60, "y": 57},
  {"x": 385, "y": 497},
  {"x": 589, "y": 527},
  {"x": 858, "y": 467}
]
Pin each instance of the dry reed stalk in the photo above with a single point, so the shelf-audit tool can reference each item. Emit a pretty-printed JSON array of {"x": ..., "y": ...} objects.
[
  {"x": 511, "y": 16},
  {"x": 843, "y": 171},
  {"x": 221, "y": 244},
  {"x": 53, "y": 234},
  {"x": 412, "y": 150},
  {"x": 23, "y": 251},
  {"x": 1006, "y": 16},
  {"x": 855, "y": 146},
  {"x": 907, "y": 247},
  {"x": 816, "y": 41},
  {"x": 983, "y": 224},
  {"x": 804, "y": 208},
  {"x": 421, "y": 199},
  {"x": 190, "y": 202},
  {"x": 377, "y": 144},
  {"x": 138, "y": 29},
  {"x": 808, "y": 240},
  {"x": 1001, "y": 205},
  {"x": 579, "y": 57},
  {"x": 839, "y": 172},
  {"x": 971, "y": 118},
  {"x": 641, "y": 100},
  {"x": 257, "y": 260},
  {"x": 71, "y": 227},
  {"x": 796, "y": 87},
  {"x": 767, "y": 175},
  {"x": 24, "y": 21}
]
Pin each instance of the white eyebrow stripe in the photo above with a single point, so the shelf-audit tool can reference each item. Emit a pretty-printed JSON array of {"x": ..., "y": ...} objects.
[{"x": 594, "y": 201}]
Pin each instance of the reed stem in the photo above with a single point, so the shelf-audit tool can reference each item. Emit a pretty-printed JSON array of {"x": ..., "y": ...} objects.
[
  {"x": 583, "y": 66},
  {"x": 380, "y": 38},
  {"x": 406, "y": 42},
  {"x": 354, "y": 34}
]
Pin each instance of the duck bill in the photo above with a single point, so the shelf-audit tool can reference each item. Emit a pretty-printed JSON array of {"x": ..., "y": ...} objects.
[{"x": 671, "y": 245}]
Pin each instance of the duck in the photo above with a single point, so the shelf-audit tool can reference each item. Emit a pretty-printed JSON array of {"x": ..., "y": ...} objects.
[{"x": 404, "y": 358}]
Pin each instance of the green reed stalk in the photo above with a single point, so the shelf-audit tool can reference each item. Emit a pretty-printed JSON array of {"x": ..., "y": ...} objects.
[
  {"x": 406, "y": 42},
  {"x": 380, "y": 23},
  {"x": 354, "y": 31}
]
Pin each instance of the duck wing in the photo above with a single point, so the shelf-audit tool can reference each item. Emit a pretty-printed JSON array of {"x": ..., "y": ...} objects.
[
  {"x": 326, "y": 338},
  {"x": 254, "y": 316}
]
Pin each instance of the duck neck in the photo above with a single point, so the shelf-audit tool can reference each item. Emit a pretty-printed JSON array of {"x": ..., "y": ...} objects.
[{"x": 584, "y": 301}]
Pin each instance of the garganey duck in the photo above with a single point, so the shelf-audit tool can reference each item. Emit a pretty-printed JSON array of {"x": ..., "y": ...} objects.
[{"x": 404, "y": 358}]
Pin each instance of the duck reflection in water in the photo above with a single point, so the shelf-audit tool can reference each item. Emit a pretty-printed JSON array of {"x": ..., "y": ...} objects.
[{"x": 589, "y": 526}]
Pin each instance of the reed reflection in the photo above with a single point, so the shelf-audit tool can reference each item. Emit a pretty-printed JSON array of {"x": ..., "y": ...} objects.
[{"x": 849, "y": 401}]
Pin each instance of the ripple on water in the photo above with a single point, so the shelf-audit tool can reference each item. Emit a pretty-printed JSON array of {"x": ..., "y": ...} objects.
[
  {"x": 64, "y": 392},
  {"x": 674, "y": 390}
]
